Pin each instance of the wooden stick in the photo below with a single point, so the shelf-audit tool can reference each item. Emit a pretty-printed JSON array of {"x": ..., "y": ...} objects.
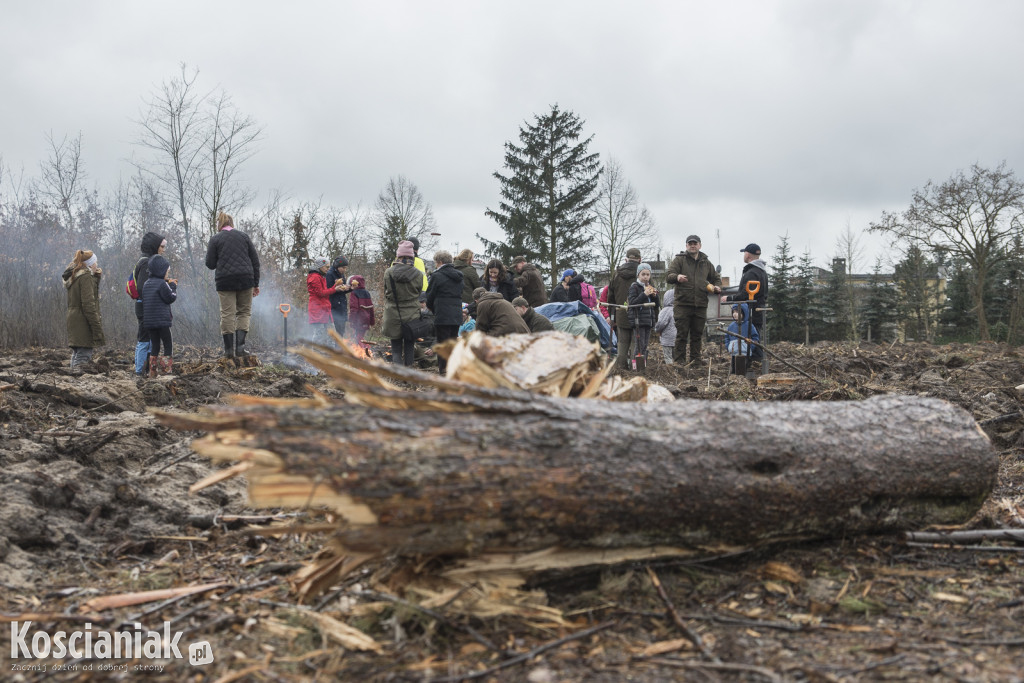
[{"x": 692, "y": 635}]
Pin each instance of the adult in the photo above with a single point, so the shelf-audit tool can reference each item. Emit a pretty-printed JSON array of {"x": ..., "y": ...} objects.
[
  {"x": 693, "y": 278},
  {"x": 569, "y": 289},
  {"x": 470, "y": 279},
  {"x": 444, "y": 298},
  {"x": 337, "y": 280},
  {"x": 497, "y": 279},
  {"x": 321, "y": 305},
  {"x": 618, "y": 295},
  {"x": 530, "y": 282},
  {"x": 755, "y": 271},
  {"x": 417, "y": 261},
  {"x": 152, "y": 244},
  {"x": 403, "y": 283},
  {"x": 534, "y": 320},
  {"x": 85, "y": 324},
  {"x": 497, "y": 317},
  {"x": 232, "y": 256}
]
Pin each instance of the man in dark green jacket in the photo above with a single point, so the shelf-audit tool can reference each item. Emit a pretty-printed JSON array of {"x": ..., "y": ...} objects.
[
  {"x": 694, "y": 278},
  {"x": 618, "y": 293},
  {"x": 534, "y": 320},
  {"x": 470, "y": 278}
]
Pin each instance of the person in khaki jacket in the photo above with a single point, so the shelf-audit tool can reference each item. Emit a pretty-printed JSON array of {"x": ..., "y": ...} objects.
[
  {"x": 403, "y": 283},
  {"x": 495, "y": 316},
  {"x": 693, "y": 278},
  {"x": 85, "y": 324}
]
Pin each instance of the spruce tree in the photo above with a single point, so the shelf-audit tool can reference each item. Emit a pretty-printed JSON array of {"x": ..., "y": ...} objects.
[
  {"x": 879, "y": 313},
  {"x": 834, "y": 302},
  {"x": 807, "y": 314},
  {"x": 547, "y": 195},
  {"x": 959, "y": 322},
  {"x": 780, "y": 289},
  {"x": 298, "y": 254},
  {"x": 917, "y": 284}
]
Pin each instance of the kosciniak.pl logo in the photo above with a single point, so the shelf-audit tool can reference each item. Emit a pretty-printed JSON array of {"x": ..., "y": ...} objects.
[{"x": 88, "y": 643}]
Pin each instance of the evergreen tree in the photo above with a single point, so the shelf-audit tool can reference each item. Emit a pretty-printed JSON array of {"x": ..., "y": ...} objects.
[
  {"x": 880, "y": 312},
  {"x": 298, "y": 255},
  {"x": 804, "y": 303},
  {"x": 834, "y": 302},
  {"x": 548, "y": 194},
  {"x": 917, "y": 285},
  {"x": 958, "y": 319},
  {"x": 781, "y": 321}
]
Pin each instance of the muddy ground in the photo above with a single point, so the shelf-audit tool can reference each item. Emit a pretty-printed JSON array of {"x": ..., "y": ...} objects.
[{"x": 95, "y": 502}]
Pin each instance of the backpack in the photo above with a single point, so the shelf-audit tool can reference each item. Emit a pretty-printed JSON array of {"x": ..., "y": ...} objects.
[
  {"x": 588, "y": 295},
  {"x": 131, "y": 287}
]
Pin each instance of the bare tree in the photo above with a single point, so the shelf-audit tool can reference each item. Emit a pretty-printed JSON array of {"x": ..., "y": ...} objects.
[
  {"x": 620, "y": 221},
  {"x": 230, "y": 140},
  {"x": 401, "y": 212},
  {"x": 850, "y": 249},
  {"x": 62, "y": 176},
  {"x": 973, "y": 216}
]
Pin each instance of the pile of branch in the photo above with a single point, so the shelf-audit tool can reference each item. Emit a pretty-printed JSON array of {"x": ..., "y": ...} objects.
[{"x": 505, "y": 483}]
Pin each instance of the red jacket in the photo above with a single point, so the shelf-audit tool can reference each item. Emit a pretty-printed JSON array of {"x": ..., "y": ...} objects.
[
  {"x": 604, "y": 298},
  {"x": 319, "y": 298},
  {"x": 360, "y": 305}
]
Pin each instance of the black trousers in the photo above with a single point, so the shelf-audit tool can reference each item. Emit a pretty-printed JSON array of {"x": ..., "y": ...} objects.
[
  {"x": 444, "y": 332},
  {"x": 158, "y": 335},
  {"x": 403, "y": 351}
]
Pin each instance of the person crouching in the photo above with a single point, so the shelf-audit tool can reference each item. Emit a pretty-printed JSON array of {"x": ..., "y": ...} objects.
[{"x": 159, "y": 292}]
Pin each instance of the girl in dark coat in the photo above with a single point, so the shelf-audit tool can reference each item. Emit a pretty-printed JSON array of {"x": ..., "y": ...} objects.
[
  {"x": 497, "y": 279},
  {"x": 85, "y": 325},
  {"x": 158, "y": 294},
  {"x": 642, "y": 317},
  {"x": 444, "y": 298},
  {"x": 360, "y": 307},
  {"x": 152, "y": 244}
]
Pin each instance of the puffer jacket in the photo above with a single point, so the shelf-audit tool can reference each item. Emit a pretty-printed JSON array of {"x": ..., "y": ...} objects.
[
  {"x": 666, "y": 325},
  {"x": 85, "y": 324},
  {"x": 444, "y": 295},
  {"x": 231, "y": 254},
  {"x": 339, "y": 300},
  {"x": 470, "y": 279},
  {"x": 158, "y": 295},
  {"x": 403, "y": 283},
  {"x": 639, "y": 315},
  {"x": 537, "y": 322},
  {"x": 497, "y": 317},
  {"x": 699, "y": 272},
  {"x": 618, "y": 292},
  {"x": 360, "y": 304},
  {"x": 531, "y": 284},
  {"x": 151, "y": 242},
  {"x": 319, "y": 298}
]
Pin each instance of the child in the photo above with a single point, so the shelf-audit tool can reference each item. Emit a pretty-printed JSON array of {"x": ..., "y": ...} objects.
[
  {"x": 740, "y": 326},
  {"x": 158, "y": 293},
  {"x": 666, "y": 326},
  {"x": 642, "y": 317},
  {"x": 320, "y": 299},
  {"x": 468, "y": 323},
  {"x": 360, "y": 307}
]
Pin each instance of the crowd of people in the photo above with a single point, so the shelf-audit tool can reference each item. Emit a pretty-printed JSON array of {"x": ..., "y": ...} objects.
[{"x": 421, "y": 309}]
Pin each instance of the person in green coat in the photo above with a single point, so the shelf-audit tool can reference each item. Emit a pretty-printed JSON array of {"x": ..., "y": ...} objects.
[
  {"x": 470, "y": 278},
  {"x": 85, "y": 324},
  {"x": 403, "y": 283}
]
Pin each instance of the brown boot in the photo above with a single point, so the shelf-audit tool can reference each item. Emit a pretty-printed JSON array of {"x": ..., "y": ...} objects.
[
  {"x": 168, "y": 366},
  {"x": 154, "y": 366}
]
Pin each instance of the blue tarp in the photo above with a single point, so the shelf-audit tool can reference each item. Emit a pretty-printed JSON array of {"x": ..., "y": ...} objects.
[{"x": 557, "y": 311}]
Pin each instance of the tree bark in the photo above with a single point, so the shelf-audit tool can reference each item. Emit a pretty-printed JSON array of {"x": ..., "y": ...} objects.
[{"x": 522, "y": 475}]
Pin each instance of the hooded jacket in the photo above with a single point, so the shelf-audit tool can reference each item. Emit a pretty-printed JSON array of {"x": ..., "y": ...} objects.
[
  {"x": 573, "y": 293},
  {"x": 151, "y": 242},
  {"x": 444, "y": 295},
  {"x": 339, "y": 300},
  {"x": 360, "y": 304},
  {"x": 470, "y": 279},
  {"x": 506, "y": 287},
  {"x": 85, "y": 325},
  {"x": 319, "y": 298},
  {"x": 744, "y": 327},
  {"x": 498, "y": 317},
  {"x": 699, "y": 273},
  {"x": 537, "y": 322},
  {"x": 231, "y": 254},
  {"x": 158, "y": 295},
  {"x": 403, "y": 283},
  {"x": 755, "y": 271},
  {"x": 618, "y": 292},
  {"x": 531, "y": 284},
  {"x": 666, "y": 325}
]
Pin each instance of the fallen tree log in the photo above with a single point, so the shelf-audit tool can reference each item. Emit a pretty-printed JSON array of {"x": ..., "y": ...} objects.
[{"x": 520, "y": 475}]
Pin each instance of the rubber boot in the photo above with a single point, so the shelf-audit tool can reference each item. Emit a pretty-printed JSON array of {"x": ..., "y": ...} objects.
[
  {"x": 240, "y": 351},
  {"x": 229, "y": 345},
  {"x": 154, "y": 366},
  {"x": 168, "y": 366}
]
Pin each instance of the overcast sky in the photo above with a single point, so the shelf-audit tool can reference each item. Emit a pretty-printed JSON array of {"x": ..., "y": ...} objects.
[{"x": 755, "y": 119}]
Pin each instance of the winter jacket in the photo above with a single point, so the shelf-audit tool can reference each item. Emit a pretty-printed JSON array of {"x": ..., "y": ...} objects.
[
  {"x": 574, "y": 293},
  {"x": 444, "y": 295},
  {"x": 360, "y": 304},
  {"x": 605, "y": 311},
  {"x": 85, "y": 324},
  {"x": 402, "y": 286},
  {"x": 319, "y": 298},
  {"x": 498, "y": 317},
  {"x": 618, "y": 292},
  {"x": 422, "y": 267},
  {"x": 470, "y": 279},
  {"x": 506, "y": 287},
  {"x": 666, "y": 325},
  {"x": 642, "y": 316},
  {"x": 700, "y": 274},
  {"x": 536, "y": 322},
  {"x": 158, "y": 295},
  {"x": 467, "y": 327},
  {"x": 231, "y": 254},
  {"x": 339, "y": 300},
  {"x": 755, "y": 271},
  {"x": 150, "y": 246},
  {"x": 735, "y": 345},
  {"x": 531, "y": 284}
]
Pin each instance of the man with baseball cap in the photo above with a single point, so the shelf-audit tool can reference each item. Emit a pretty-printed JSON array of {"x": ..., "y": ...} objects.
[
  {"x": 694, "y": 278},
  {"x": 755, "y": 271}
]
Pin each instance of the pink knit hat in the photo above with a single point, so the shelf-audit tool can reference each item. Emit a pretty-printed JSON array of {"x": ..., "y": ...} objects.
[{"x": 404, "y": 249}]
